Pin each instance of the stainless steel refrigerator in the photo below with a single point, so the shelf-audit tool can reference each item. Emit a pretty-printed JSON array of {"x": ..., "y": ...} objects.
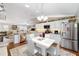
[{"x": 70, "y": 38}]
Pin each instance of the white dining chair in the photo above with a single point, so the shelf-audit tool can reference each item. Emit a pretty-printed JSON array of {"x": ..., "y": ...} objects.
[
  {"x": 55, "y": 51},
  {"x": 31, "y": 51},
  {"x": 47, "y": 35},
  {"x": 52, "y": 51}
]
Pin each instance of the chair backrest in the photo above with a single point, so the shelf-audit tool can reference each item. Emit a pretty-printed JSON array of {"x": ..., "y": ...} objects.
[
  {"x": 47, "y": 35},
  {"x": 56, "y": 37},
  {"x": 30, "y": 44},
  {"x": 29, "y": 39}
]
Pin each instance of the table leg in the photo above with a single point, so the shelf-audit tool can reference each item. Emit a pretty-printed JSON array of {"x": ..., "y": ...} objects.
[{"x": 44, "y": 52}]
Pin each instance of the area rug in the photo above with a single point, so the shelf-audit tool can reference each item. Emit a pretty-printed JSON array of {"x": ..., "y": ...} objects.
[
  {"x": 66, "y": 53},
  {"x": 18, "y": 51}
]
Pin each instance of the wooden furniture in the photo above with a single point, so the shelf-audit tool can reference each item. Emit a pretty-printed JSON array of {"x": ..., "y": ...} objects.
[{"x": 22, "y": 37}]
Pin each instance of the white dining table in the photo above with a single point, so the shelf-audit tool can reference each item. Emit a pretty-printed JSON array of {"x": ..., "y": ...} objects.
[{"x": 43, "y": 43}]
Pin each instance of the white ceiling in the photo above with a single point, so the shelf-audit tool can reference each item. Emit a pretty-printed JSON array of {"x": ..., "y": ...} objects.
[{"x": 18, "y": 13}]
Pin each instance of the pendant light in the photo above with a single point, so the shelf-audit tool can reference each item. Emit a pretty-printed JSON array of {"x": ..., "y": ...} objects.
[{"x": 42, "y": 17}]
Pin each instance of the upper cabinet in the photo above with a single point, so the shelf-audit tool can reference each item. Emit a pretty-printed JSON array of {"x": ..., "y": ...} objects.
[
  {"x": 54, "y": 25},
  {"x": 4, "y": 27}
]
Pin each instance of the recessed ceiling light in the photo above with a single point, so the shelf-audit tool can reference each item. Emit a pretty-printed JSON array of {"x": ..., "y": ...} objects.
[{"x": 27, "y": 6}]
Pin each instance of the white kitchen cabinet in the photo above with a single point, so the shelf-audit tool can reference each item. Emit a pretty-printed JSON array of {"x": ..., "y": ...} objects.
[
  {"x": 53, "y": 25},
  {"x": 39, "y": 26}
]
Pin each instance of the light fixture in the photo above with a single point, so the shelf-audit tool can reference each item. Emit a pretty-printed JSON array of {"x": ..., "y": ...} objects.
[
  {"x": 42, "y": 17},
  {"x": 45, "y": 18},
  {"x": 27, "y": 6},
  {"x": 39, "y": 18}
]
